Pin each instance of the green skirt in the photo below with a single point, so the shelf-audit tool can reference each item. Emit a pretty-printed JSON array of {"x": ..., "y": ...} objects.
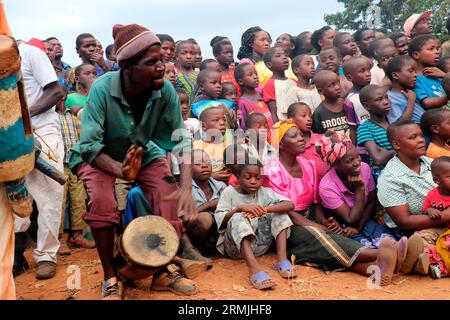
[{"x": 325, "y": 249}]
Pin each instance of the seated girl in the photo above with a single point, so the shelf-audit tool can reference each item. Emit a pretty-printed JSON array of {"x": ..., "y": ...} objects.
[
  {"x": 347, "y": 191},
  {"x": 248, "y": 218}
]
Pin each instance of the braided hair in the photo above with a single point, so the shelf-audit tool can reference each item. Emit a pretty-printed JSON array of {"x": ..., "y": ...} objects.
[{"x": 247, "y": 40}]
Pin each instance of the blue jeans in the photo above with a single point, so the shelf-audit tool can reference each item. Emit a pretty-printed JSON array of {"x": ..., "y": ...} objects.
[{"x": 372, "y": 234}]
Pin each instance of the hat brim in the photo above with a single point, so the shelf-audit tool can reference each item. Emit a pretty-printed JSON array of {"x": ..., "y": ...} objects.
[{"x": 426, "y": 14}]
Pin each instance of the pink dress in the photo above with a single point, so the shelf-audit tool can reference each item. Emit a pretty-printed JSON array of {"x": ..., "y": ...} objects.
[
  {"x": 311, "y": 154},
  {"x": 303, "y": 192}
]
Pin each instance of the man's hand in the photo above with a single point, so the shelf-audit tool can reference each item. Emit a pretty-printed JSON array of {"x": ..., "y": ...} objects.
[
  {"x": 186, "y": 203},
  {"x": 223, "y": 175},
  {"x": 132, "y": 163},
  {"x": 98, "y": 59}
]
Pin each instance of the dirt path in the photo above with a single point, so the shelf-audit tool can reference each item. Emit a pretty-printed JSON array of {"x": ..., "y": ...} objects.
[{"x": 228, "y": 280}]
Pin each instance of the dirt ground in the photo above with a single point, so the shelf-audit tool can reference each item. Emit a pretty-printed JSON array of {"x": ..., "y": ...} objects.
[{"x": 228, "y": 280}]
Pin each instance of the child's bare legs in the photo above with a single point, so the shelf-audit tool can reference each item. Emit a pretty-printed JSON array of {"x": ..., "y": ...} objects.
[
  {"x": 196, "y": 231},
  {"x": 249, "y": 257},
  {"x": 281, "y": 245}
]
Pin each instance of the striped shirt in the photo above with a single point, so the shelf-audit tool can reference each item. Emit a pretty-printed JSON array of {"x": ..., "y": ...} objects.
[
  {"x": 370, "y": 131},
  {"x": 70, "y": 129}
]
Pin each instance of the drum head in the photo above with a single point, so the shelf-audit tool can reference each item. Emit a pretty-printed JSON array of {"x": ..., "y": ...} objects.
[{"x": 149, "y": 241}]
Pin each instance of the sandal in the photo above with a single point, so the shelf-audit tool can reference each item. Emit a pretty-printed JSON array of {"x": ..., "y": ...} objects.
[
  {"x": 262, "y": 281},
  {"x": 285, "y": 269}
]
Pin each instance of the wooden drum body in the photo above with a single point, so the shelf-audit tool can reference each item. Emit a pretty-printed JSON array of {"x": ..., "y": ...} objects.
[
  {"x": 16, "y": 138},
  {"x": 147, "y": 245}
]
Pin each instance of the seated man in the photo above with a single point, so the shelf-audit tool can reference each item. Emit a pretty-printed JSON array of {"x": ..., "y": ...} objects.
[{"x": 125, "y": 110}]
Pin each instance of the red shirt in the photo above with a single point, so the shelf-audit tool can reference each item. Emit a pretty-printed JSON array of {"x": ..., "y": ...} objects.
[{"x": 436, "y": 200}]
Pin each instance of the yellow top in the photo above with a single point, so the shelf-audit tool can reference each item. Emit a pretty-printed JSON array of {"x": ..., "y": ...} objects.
[{"x": 265, "y": 74}]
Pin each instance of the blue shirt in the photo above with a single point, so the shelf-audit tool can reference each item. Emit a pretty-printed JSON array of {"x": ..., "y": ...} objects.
[
  {"x": 398, "y": 107},
  {"x": 427, "y": 87}
]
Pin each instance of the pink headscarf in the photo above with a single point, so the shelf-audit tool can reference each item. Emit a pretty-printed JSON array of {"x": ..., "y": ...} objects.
[{"x": 331, "y": 147}]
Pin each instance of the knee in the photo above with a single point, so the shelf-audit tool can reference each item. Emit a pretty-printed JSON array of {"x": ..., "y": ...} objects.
[{"x": 204, "y": 221}]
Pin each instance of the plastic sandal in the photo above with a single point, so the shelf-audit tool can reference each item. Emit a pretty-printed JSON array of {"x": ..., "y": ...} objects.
[
  {"x": 285, "y": 269},
  {"x": 262, "y": 280}
]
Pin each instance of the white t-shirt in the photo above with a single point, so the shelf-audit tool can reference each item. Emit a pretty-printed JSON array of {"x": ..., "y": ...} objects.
[
  {"x": 377, "y": 74},
  {"x": 38, "y": 72},
  {"x": 309, "y": 96}
]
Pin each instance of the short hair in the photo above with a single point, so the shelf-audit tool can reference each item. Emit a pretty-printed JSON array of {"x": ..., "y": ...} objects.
[
  {"x": 396, "y": 64},
  {"x": 418, "y": 42},
  {"x": 296, "y": 60},
  {"x": 395, "y": 36},
  {"x": 442, "y": 62},
  {"x": 207, "y": 111},
  {"x": 180, "y": 92},
  {"x": 396, "y": 126},
  {"x": 350, "y": 65},
  {"x": 431, "y": 118},
  {"x": 81, "y": 38},
  {"x": 338, "y": 39},
  {"x": 79, "y": 68},
  {"x": 203, "y": 75},
  {"x": 375, "y": 45},
  {"x": 292, "y": 110},
  {"x": 358, "y": 35},
  {"x": 217, "y": 46},
  {"x": 205, "y": 62},
  {"x": 318, "y": 35},
  {"x": 252, "y": 117},
  {"x": 249, "y": 161},
  {"x": 165, "y": 38},
  {"x": 109, "y": 50},
  {"x": 181, "y": 43},
  {"x": 239, "y": 70},
  {"x": 366, "y": 93},
  {"x": 193, "y": 41},
  {"x": 268, "y": 56},
  {"x": 50, "y": 39},
  {"x": 217, "y": 39},
  {"x": 438, "y": 161},
  {"x": 333, "y": 48}
]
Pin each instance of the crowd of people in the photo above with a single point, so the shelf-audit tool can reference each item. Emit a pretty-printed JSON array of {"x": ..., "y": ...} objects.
[{"x": 330, "y": 148}]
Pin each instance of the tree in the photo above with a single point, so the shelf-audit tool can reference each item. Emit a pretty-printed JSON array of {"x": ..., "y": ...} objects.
[{"x": 388, "y": 15}]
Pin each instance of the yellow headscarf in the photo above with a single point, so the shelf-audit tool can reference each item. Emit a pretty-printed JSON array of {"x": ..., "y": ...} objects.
[{"x": 278, "y": 131}]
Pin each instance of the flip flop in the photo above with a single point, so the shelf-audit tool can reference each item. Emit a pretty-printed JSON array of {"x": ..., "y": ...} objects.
[
  {"x": 285, "y": 269},
  {"x": 262, "y": 281}
]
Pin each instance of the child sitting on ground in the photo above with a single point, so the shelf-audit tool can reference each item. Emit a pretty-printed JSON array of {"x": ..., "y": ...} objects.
[
  {"x": 438, "y": 199},
  {"x": 401, "y": 70},
  {"x": 331, "y": 114},
  {"x": 306, "y": 92},
  {"x": 250, "y": 100},
  {"x": 329, "y": 60},
  {"x": 425, "y": 50},
  {"x": 233, "y": 155},
  {"x": 248, "y": 218},
  {"x": 206, "y": 192},
  {"x": 372, "y": 134},
  {"x": 170, "y": 73},
  {"x": 85, "y": 75},
  {"x": 302, "y": 116},
  {"x": 184, "y": 62},
  {"x": 436, "y": 124},
  {"x": 275, "y": 90}
]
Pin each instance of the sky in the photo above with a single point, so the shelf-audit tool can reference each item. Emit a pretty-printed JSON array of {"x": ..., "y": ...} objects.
[{"x": 199, "y": 19}]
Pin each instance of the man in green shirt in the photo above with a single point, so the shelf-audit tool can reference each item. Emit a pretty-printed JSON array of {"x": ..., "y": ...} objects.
[{"x": 125, "y": 110}]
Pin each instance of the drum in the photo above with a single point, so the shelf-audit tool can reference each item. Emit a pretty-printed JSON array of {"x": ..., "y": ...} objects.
[
  {"x": 147, "y": 245},
  {"x": 18, "y": 197},
  {"x": 16, "y": 138}
]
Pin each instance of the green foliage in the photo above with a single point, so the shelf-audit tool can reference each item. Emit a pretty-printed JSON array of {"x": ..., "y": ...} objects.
[{"x": 393, "y": 13}]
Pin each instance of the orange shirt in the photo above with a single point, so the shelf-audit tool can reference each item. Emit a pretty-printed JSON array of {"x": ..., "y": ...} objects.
[{"x": 435, "y": 151}]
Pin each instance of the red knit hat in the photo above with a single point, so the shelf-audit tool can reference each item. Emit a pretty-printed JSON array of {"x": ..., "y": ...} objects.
[{"x": 132, "y": 39}]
